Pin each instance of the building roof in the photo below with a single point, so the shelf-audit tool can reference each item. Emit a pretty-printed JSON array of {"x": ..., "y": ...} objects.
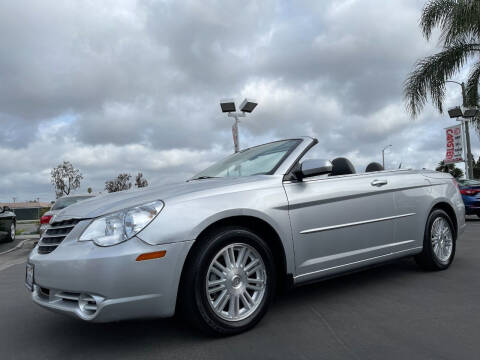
[{"x": 27, "y": 205}]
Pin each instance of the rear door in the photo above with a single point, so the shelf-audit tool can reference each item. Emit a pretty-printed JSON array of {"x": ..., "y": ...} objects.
[{"x": 340, "y": 221}]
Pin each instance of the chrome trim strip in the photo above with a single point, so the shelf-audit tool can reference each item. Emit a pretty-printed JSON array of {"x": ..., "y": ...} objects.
[
  {"x": 355, "y": 262},
  {"x": 352, "y": 253},
  {"x": 325, "y": 228}
]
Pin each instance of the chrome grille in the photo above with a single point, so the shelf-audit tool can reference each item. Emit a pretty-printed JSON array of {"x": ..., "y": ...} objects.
[{"x": 54, "y": 235}]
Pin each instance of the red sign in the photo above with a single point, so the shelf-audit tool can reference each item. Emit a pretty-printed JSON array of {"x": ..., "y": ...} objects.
[{"x": 454, "y": 144}]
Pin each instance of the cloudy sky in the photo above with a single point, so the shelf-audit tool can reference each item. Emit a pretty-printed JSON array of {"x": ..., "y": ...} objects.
[{"x": 126, "y": 86}]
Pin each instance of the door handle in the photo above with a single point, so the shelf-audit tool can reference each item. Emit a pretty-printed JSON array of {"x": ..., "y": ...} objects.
[{"x": 377, "y": 182}]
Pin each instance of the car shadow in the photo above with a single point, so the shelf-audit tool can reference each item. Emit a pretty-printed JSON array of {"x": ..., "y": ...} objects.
[{"x": 108, "y": 338}]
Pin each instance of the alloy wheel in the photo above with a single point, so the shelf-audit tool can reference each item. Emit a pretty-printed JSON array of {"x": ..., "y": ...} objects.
[
  {"x": 442, "y": 239},
  {"x": 236, "y": 281}
]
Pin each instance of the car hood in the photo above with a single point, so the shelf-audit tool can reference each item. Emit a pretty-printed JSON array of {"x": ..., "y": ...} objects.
[{"x": 108, "y": 203}]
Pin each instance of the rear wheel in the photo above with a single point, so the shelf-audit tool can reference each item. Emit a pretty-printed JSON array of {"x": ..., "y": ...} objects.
[
  {"x": 11, "y": 234},
  {"x": 229, "y": 281},
  {"x": 439, "y": 242}
]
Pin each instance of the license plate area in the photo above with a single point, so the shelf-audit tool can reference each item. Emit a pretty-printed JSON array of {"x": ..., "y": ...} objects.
[{"x": 29, "y": 274}]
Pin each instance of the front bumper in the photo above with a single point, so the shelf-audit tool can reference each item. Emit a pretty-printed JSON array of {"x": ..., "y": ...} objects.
[{"x": 104, "y": 284}]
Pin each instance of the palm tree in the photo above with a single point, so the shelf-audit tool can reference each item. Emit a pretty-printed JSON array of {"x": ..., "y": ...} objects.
[
  {"x": 459, "y": 23},
  {"x": 449, "y": 168}
]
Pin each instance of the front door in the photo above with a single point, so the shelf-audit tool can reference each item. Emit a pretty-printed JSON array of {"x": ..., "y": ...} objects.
[{"x": 339, "y": 222}]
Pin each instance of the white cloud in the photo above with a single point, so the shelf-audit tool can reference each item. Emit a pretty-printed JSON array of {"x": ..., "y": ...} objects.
[{"x": 133, "y": 85}]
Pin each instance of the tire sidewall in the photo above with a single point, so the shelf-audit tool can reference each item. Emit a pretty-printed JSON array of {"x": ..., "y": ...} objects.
[
  {"x": 206, "y": 255},
  {"x": 428, "y": 242},
  {"x": 9, "y": 237}
]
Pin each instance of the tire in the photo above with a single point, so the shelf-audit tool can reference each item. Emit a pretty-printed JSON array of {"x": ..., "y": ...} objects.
[
  {"x": 205, "y": 284},
  {"x": 11, "y": 234},
  {"x": 439, "y": 230}
]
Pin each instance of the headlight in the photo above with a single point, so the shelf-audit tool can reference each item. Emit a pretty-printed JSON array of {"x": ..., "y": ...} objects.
[{"x": 117, "y": 227}]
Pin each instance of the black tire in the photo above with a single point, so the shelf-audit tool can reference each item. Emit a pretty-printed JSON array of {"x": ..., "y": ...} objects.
[
  {"x": 427, "y": 259},
  {"x": 193, "y": 299},
  {"x": 9, "y": 237}
]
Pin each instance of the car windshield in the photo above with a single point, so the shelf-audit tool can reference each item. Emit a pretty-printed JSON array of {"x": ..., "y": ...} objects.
[
  {"x": 64, "y": 202},
  {"x": 262, "y": 159}
]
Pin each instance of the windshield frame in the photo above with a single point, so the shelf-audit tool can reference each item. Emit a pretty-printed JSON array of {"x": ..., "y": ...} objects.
[{"x": 271, "y": 172}]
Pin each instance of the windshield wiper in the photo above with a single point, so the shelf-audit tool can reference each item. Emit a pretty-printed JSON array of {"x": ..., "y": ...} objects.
[{"x": 204, "y": 177}]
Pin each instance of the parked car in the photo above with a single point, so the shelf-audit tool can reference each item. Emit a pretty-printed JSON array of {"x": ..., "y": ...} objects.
[
  {"x": 470, "y": 190},
  {"x": 218, "y": 246},
  {"x": 8, "y": 224},
  {"x": 60, "y": 204}
]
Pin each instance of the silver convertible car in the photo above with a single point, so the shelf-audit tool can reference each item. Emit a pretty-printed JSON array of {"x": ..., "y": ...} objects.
[{"x": 218, "y": 246}]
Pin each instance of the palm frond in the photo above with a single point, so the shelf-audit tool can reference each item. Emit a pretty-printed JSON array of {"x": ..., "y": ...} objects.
[
  {"x": 430, "y": 74},
  {"x": 463, "y": 22},
  {"x": 472, "y": 85},
  {"x": 457, "y": 19},
  {"x": 435, "y": 13}
]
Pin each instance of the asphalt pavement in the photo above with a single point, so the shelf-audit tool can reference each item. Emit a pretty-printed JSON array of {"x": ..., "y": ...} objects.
[{"x": 396, "y": 311}]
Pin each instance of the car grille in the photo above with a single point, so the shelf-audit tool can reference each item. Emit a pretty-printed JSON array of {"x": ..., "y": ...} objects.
[{"x": 54, "y": 235}]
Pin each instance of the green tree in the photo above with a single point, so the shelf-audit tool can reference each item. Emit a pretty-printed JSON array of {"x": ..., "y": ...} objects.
[
  {"x": 140, "y": 181},
  {"x": 476, "y": 168},
  {"x": 120, "y": 183},
  {"x": 459, "y": 24},
  {"x": 65, "y": 178},
  {"x": 450, "y": 168}
]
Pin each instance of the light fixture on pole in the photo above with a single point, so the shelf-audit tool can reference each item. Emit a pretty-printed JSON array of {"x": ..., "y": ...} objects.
[
  {"x": 228, "y": 106},
  {"x": 465, "y": 113},
  {"x": 383, "y": 155}
]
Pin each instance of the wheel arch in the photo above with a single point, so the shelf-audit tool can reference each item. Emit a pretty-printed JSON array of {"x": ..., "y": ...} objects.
[
  {"x": 260, "y": 227},
  {"x": 445, "y": 206}
]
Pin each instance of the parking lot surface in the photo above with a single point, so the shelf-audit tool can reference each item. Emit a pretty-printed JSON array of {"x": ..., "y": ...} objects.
[{"x": 395, "y": 311}]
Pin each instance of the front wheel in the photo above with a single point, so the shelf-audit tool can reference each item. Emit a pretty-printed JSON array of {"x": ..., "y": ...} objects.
[
  {"x": 229, "y": 281},
  {"x": 439, "y": 242}
]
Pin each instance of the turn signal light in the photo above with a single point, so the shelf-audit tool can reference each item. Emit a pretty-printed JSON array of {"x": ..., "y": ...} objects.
[{"x": 151, "y": 255}]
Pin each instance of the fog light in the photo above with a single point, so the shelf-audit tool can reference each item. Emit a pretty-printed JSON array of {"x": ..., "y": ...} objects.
[{"x": 87, "y": 304}]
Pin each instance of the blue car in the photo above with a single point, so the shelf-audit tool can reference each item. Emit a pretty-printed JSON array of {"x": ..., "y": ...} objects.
[{"x": 470, "y": 190}]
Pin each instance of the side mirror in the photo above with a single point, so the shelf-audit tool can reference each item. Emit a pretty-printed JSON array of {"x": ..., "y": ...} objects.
[{"x": 313, "y": 167}]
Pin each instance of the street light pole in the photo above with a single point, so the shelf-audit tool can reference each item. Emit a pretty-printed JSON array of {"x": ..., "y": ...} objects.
[
  {"x": 469, "y": 159},
  {"x": 383, "y": 155},
  {"x": 236, "y": 141},
  {"x": 228, "y": 106}
]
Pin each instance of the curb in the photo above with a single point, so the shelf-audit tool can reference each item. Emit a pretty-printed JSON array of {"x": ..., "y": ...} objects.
[{"x": 19, "y": 246}]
